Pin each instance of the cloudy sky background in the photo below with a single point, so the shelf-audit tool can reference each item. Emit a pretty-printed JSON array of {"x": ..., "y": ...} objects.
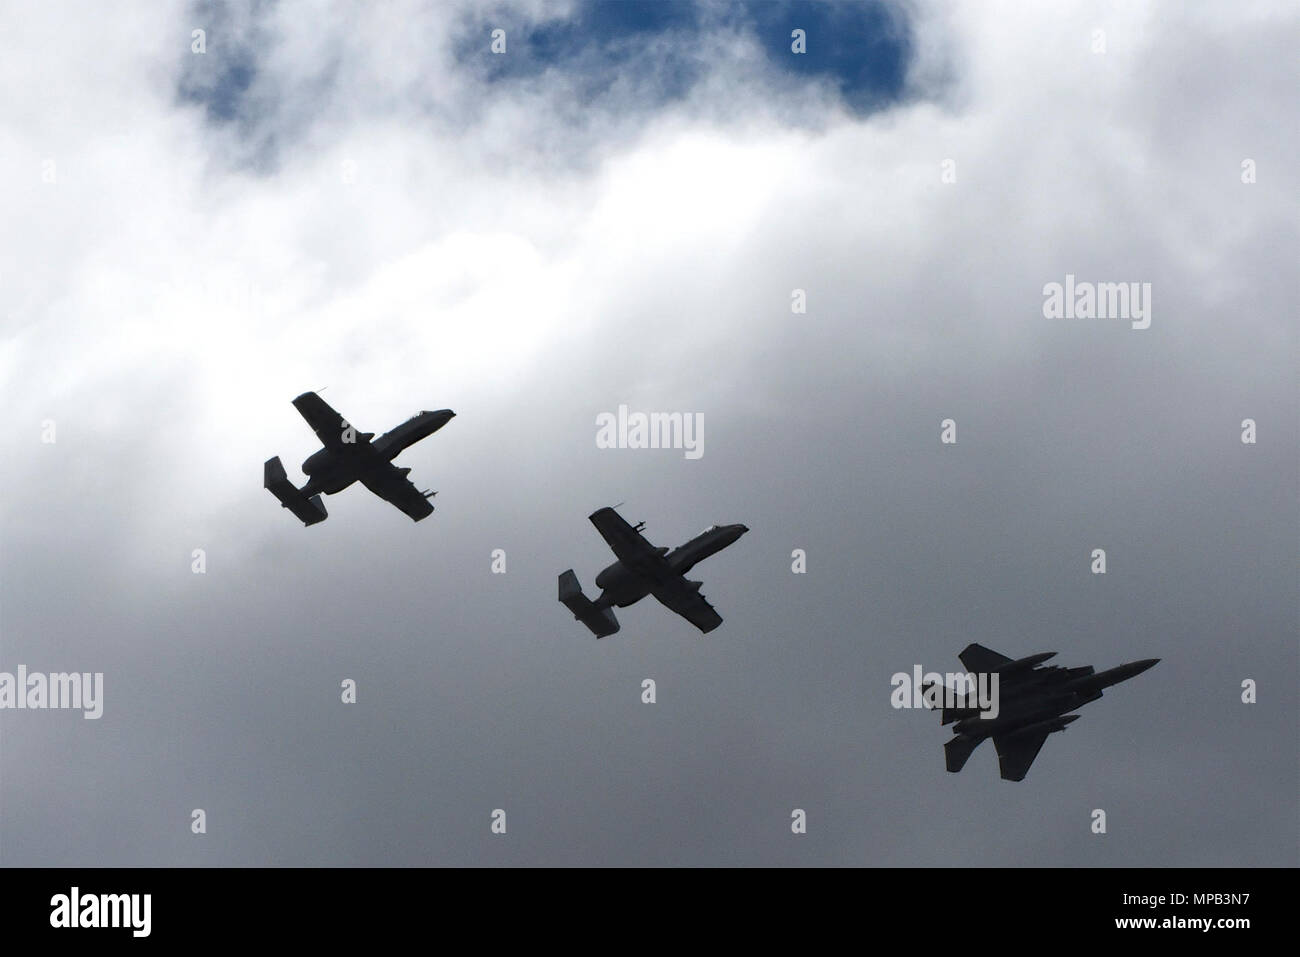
[{"x": 616, "y": 211}]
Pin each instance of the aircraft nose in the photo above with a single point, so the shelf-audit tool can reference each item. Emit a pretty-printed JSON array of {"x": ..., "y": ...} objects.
[
  {"x": 733, "y": 533},
  {"x": 1135, "y": 668}
]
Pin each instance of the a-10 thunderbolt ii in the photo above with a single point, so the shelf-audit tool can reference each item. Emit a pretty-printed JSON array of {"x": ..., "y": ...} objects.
[
  {"x": 642, "y": 569},
  {"x": 350, "y": 456},
  {"x": 1033, "y": 702}
]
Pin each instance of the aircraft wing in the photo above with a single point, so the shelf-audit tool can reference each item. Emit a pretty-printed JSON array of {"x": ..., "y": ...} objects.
[
  {"x": 677, "y": 595},
  {"x": 1016, "y": 752},
  {"x": 629, "y": 546},
  {"x": 980, "y": 660},
  {"x": 394, "y": 487},
  {"x": 325, "y": 422}
]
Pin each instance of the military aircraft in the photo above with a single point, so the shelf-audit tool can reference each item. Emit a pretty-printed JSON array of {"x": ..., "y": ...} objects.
[
  {"x": 642, "y": 569},
  {"x": 1033, "y": 701},
  {"x": 349, "y": 456}
]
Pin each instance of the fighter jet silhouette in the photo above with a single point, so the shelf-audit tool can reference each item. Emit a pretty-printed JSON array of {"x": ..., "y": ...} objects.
[
  {"x": 1033, "y": 703},
  {"x": 642, "y": 569},
  {"x": 350, "y": 456}
]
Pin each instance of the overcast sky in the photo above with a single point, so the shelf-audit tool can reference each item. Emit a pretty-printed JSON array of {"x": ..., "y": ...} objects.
[{"x": 616, "y": 210}]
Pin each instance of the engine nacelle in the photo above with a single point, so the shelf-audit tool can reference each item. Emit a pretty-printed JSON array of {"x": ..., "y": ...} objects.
[
  {"x": 315, "y": 462},
  {"x": 611, "y": 576}
]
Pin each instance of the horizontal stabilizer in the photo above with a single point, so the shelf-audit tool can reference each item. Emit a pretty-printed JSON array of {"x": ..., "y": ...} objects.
[
  {"x": 957, "y": 750},
  {"x": 309, "y": 510},
  {"x": 601, "y": 621}
]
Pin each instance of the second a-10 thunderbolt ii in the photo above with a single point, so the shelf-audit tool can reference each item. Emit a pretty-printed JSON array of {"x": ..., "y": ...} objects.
[
  {"x": 642, "y": 569},
  {"x": 1033, "y": 702},
  {"x": 350, "y": 456}
]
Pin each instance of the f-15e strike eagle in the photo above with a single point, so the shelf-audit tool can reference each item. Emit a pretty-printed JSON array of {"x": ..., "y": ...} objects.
[
  {"x": 350, "y": 456},
  {"x": 642, "y": 569},
  {"x": 1033, "y": 703}
]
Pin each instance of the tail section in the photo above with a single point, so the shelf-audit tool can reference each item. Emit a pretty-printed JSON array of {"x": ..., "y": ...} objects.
[
  {"x": 309, "y": 510},
  {"x": 601, "y": 621},
  {"x": 957, "y": 750},
  {"x": 933, "y": 691}
]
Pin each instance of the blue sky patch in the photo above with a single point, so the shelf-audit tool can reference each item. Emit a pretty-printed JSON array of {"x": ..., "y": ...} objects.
[{"x": 860, "y": 46}]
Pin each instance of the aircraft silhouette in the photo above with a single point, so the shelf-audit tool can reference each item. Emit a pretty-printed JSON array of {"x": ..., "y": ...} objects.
[
  {"x": 1033, "y": 702},
  {"x": 642, "y": 569},
  {"x": 350, "y": 456}
]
